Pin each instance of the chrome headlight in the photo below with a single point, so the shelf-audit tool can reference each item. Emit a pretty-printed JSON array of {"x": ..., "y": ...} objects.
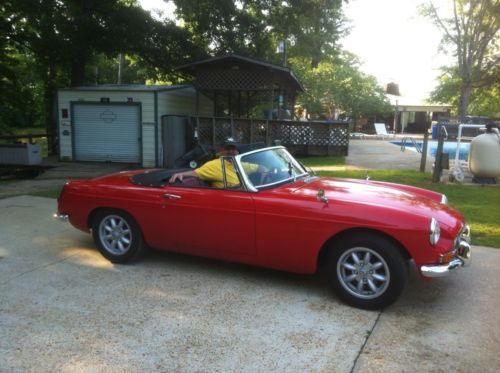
[
  {"x": 444, "y": 199},
  {"x": 465, "y": 235},
  {"x": 434, "y": 232}
]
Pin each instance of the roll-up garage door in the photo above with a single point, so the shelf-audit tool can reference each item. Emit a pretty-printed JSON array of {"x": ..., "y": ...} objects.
[{"x": 106, "y": 133}]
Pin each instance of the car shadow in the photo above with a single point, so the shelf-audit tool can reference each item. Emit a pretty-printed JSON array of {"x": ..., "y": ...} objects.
[{"x": 316, "y": 283}]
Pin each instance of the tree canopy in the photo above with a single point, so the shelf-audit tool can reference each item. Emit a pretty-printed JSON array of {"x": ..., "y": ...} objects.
[
  {"x": 310, "y": 28},
  {"x": 484, "y": 101},
  {"x": 339, "y": 87},
  {"x": 61, "y": 39},
  {"x": 472, "y": 34},
  {"x": 49, "y": 44}
]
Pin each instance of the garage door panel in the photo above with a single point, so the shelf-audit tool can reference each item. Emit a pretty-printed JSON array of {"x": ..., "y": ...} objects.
[{"x": 105, "y": 132}]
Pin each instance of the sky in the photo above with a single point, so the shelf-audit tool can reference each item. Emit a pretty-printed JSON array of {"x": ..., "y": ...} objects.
[
  {"x": 396, "y": 44},
  {"x": 393, "y": 42}
]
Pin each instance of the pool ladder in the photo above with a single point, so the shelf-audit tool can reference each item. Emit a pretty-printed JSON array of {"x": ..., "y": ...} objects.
[{"x": 415, "y": 144}]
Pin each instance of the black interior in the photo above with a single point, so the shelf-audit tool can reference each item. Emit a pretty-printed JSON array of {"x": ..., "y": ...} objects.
[{"x": 159, "y": 179}]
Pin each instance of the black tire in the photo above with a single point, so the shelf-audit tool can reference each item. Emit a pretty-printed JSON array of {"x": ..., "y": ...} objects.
[
  {"x": 117, "y": 236},
  {"x": 367, "y": 271}
]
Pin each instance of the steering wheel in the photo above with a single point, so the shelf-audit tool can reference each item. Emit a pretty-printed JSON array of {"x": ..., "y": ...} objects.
[{"x": 267, "y": 177}]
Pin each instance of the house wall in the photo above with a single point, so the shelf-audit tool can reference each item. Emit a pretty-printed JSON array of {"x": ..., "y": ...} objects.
[{"x": 181, "y": 102}]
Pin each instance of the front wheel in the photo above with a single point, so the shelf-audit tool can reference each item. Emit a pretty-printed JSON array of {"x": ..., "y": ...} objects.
[
  {"x": 367, "y": 271},
  {"x": 117, "y": 236}
]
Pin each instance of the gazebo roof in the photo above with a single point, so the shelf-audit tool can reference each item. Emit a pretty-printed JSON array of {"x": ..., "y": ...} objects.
[{"x": 237, "y": 68}]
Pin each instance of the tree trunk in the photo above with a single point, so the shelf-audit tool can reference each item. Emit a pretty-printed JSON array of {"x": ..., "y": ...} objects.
[
  {"x": 78, "y": 70},
  {"x": 463, "y": 101},
  {"x": 49, "y": 93}
]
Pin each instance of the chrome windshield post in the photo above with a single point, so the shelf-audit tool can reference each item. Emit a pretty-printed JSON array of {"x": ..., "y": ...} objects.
[
  {"x": 232, "y": 160},
  {"x": 223, "y": 167}
]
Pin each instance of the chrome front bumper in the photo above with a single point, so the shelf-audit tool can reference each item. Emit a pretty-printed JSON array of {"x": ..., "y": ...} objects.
[
  {"x": 462, "y": 259},
  {"x": 61, "y": 217}
]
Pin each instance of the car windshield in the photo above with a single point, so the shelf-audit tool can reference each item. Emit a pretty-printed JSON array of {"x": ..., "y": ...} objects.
[{"x": 270, "y": 166}]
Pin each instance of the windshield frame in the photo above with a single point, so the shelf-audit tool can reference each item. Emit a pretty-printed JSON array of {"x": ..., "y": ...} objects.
[{"x": 249, "y": 185}]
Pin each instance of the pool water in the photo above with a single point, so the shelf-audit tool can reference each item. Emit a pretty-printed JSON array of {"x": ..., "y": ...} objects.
[{"x": 449, "y": 148}]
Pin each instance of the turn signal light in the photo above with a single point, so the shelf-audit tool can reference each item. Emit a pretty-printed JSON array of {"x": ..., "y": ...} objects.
[{"x": 446, "y": 257}]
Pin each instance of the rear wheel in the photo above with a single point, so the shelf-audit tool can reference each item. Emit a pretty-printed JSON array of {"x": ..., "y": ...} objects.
[
  {"x": 367, "y": 271},
  {"x": 117, "y": 235}
]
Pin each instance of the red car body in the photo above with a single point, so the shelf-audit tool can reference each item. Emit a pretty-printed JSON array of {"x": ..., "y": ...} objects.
[{"x": 286, "y": 226}]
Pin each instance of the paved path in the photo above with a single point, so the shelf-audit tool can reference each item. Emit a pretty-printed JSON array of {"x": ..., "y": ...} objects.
[
  {"x": 57, "y": 175},
  {"x": 65, "y": 308},
  {"x": 382, "y": 154}
]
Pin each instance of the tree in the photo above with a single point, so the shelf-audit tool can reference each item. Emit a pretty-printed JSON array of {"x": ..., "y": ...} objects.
[
  {"x": 61, "y": 38},
  {"x": 254, "y": 27},
  {"x": 473, "y": 31},
  {"x": 311, "y": 27},
  {"x": 339, "y": 86},
  {"x": 483, "y": 100}
]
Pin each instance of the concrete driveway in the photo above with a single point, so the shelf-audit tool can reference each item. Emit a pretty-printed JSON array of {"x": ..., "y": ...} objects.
[{"x": 64, "y": 308}]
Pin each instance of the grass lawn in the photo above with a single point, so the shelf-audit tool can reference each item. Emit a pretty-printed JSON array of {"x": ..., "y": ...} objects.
[
  {"x": 54, "y": 193},
  {"x": 48, "y": 193},
  {"x": 479, "y": 204}
]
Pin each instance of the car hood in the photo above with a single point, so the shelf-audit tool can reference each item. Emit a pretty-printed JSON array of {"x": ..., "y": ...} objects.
[{"x": 388, "y": 196}]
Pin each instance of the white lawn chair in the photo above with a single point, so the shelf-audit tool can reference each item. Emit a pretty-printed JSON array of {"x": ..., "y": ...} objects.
[
  {"x": 382, "y": 131},
  {"x": 357, "y": 135}
]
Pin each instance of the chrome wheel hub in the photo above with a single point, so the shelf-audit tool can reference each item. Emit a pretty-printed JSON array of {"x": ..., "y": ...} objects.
[
  {"x": 115, "y": 234},
  {"x": 363, "y": 273}
]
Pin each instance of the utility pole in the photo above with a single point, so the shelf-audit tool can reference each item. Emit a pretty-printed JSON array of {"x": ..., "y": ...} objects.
[
  {"x": 120, "y": 62},
  {"x": 282, "y": 49},
  {"x": 396, "y": 118}
]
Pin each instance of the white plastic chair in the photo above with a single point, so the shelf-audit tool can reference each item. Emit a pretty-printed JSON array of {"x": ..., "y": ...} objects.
[{"x": 382, "y": 131}]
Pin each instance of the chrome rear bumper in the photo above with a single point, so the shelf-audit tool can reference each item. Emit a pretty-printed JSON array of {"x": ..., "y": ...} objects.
[
  {"x": 462, "y": 259},
  {"x": 61, "y": 217}
]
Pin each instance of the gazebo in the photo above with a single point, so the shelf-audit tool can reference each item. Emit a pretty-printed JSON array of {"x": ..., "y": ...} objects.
[
  {"x": 253, "y": 101},
  {"x": 242, "y": 87}
]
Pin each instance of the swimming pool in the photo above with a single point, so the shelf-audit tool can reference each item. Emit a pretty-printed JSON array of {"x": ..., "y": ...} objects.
[{"x": 449, "y": 148}]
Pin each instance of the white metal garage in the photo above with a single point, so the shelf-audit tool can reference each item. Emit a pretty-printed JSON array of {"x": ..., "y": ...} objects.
[
  {"x": 106, "y": 132},
  {"x": 122, "y": 123}
]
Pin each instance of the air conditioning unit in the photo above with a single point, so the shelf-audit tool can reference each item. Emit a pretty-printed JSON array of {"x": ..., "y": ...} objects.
[{"x": 20, "y": 154}]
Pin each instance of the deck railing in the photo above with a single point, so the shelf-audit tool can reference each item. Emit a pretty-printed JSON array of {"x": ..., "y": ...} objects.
[{"x": 301, "y": 138}]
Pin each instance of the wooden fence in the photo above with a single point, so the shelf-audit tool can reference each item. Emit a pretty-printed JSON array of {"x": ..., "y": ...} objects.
[{"x": 300, "y": 138}]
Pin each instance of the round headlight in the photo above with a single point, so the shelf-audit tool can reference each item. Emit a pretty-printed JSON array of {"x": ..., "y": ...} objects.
[{"x": 434, "y": 232}]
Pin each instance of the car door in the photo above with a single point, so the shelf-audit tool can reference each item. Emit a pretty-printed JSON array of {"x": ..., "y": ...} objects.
[{"x": 209, "y": 221}]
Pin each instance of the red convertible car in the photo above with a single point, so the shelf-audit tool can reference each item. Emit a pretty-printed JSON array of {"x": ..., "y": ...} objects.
[{"x": 278, "y": 216}]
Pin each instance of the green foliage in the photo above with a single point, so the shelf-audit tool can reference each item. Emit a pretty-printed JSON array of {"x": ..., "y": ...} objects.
[
  {"x": 226, "y": 26},
  {"x": 484, "y": 100},
  {"x": 51, "y": 193},
  {"x": 48, "y": 44},
  {"x": 339, "y": 85},
  {"x": 21, "y": 97},
  {"x": 255, "y": 27},
  {"x": 318, "y": 161},
  {"x": 471, "y": 33},
  {"x": 312, "y": 27}
]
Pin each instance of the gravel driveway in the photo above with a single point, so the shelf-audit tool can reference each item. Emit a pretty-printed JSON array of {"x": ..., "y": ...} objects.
[{"x": 64, "y": 308}]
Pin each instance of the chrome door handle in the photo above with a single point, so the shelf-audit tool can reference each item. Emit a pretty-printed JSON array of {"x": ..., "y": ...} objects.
[{"x": 171, "y": 196}]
